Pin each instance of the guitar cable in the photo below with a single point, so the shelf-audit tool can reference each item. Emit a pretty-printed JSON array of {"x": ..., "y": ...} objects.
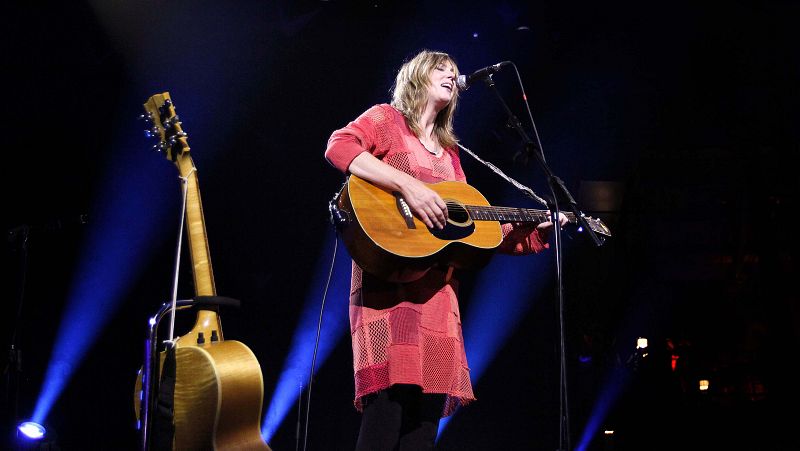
[{"x": 316, "y": 348}]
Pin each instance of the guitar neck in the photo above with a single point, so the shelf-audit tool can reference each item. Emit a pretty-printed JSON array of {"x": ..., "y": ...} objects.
[
  {"x": 198, "y": 248},
  {"x": 173, "y": 142},
  {"x": 507, "y": 214},
  {"x": 196, "y": 228}
]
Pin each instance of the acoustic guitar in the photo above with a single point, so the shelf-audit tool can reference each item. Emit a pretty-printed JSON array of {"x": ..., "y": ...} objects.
[
  {"x": 384, "y": 238},
  {"x": 218, "y": 386}
]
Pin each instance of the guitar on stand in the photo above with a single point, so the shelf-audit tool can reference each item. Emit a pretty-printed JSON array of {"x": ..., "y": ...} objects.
[{"x": 213, "y": 387}]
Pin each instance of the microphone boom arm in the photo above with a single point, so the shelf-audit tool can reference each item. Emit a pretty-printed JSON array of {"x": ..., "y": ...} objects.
[{"x": 557, "y": 187}]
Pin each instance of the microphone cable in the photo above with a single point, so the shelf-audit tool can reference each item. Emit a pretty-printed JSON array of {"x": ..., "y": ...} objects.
[{"x": 528, "y": 110}]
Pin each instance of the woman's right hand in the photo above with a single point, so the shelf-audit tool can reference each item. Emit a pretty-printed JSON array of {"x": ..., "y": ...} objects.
[{"x": 425, "y": 203}]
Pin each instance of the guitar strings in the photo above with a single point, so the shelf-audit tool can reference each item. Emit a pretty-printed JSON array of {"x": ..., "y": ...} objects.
[
  {"x": 456, "y": 207},
  {"x": 459, "y": 208},
  {"x": 512, "y": 211}
]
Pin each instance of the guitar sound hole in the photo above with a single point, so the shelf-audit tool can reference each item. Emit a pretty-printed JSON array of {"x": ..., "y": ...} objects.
[
  {"x": 456, "y": 213},
  {"x": 459, "y": 224}
]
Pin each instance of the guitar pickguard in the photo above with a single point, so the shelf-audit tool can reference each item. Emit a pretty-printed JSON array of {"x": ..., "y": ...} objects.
[{"x": 453, "y": 231}]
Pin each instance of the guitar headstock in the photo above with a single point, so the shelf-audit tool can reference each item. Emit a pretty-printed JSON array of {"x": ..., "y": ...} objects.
[
  {"x": 597, "y": 226},
  {"x": 165, "y": 126}
]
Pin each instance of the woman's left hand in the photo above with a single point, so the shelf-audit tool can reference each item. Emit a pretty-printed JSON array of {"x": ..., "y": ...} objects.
[{"x": 546, "y": 227}]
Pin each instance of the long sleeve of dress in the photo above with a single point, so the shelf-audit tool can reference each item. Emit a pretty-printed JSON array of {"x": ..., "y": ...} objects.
[
  {"x": 360, "y": 135},
  {"x": 521, "y": 239}
]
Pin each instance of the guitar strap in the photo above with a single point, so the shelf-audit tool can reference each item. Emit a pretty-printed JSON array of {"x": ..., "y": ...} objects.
[
  {"x": 497, "y": 171},
  {"x": 163, "y": 426}
]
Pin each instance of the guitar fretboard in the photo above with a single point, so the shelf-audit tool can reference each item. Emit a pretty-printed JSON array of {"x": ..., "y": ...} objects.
[{"x": 507, "y": 214}]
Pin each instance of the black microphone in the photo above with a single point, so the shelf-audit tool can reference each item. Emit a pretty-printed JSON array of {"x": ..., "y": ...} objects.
[{"x": 465, "y": 81}]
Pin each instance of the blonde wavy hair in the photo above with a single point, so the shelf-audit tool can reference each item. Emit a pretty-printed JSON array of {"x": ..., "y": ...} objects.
[{"x": 410, "y": 93}]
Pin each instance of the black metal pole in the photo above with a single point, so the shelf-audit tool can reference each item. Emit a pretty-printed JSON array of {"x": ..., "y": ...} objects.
[
  {"x": 16, "y": 236},
  {"x": 559, "y": 193}
]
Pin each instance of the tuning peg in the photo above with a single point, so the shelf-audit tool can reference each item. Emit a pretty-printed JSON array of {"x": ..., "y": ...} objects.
[
  {"x": 164, "y": 108},
  {"x": 152, "y": 133},
  {"x": 171, "y": 122}
]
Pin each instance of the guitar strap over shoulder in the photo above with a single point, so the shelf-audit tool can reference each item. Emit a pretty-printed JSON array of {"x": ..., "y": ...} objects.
[
  {"x": 527, "y": 191},
  {"x": 163, "y": 425}
]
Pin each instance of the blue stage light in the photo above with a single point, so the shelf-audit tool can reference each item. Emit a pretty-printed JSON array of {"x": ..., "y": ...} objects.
[
  {"x": 487, "y": 327},
  {"x": 297, "y": 367},
  {"x": 99, "y": 286},
  {"x": 31, "y": 430},
  {"x": 616, "y": 382}
]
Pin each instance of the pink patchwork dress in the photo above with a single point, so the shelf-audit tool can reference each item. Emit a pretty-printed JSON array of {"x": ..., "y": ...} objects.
[{"x": 410, "y": 333}]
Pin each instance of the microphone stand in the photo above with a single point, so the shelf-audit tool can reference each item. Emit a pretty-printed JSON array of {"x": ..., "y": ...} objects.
[
  {"x": 13, "y": 368},
  {"x": 559, "y": 192}
]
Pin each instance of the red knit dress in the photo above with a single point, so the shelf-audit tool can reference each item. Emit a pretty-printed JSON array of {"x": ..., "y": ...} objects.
[{"x": 409, "y": 333}]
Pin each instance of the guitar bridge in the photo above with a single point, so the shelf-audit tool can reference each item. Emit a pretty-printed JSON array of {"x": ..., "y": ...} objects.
[{"x": 405, "y": 210}]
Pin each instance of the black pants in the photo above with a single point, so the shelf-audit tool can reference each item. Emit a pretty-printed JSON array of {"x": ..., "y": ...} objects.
[{"x": 400, "y": 418}]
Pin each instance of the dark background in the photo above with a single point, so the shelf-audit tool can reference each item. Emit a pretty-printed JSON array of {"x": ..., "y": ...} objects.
[{"x": 687, "y": 113}]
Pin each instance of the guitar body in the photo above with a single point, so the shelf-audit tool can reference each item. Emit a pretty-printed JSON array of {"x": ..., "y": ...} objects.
[
  {"x": 217, "y": 397},
  {"x": 218, "y": 393},
  {"x": 386, "y": 240},
  {"x": 216, "y": 401}
]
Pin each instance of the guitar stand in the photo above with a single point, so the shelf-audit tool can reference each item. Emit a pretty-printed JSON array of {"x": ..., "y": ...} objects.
[{"x": 150, "y": 372}]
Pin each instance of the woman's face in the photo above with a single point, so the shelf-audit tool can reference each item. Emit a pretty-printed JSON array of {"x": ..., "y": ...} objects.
[{"x": 441, "y": 85}]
